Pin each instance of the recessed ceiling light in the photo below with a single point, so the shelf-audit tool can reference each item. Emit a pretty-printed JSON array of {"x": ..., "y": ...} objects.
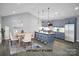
[
  {"x": 56, "y": 13},
  {"x": 21, "y": 24},
  {"x": 76, "y": 8},
  {"x": 13, "y": 12}
]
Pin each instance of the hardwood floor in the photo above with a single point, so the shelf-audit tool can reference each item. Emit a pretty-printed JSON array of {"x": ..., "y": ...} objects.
[{"x": 56, "y": 48}]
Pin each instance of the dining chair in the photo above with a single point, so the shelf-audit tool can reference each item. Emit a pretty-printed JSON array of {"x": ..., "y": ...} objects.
[
  {"x": 27, "y": 40},
  {"x": 13, "y": 39}
]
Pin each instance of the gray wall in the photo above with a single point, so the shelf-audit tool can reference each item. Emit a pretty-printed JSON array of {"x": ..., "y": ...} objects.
[
  {"x": 77, "y": 29},
  {"x": 30, "y": 22},
  {"x": 0, "y": 20},
  {"x": 0, "y": 29},
  {"x": 0, "y": 23}
]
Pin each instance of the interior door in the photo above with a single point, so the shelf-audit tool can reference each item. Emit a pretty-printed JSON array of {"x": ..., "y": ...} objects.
[{"x": 7, "y": 32}]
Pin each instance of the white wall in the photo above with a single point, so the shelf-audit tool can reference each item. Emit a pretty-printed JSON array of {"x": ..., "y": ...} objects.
[
  {"x": 30, "y": 22},
  {"x": 77, "y": 29}
]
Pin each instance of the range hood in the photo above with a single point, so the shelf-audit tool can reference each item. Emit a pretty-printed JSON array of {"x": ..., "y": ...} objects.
[{"x": 49, "y": 24}]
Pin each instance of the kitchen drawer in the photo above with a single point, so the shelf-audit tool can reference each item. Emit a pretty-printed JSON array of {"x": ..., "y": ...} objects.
[{"x": 59, "y": 35}]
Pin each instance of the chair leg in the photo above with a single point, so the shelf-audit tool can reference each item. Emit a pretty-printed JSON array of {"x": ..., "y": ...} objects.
[
  {"x": 17, "y": 42},
  {"x": 22, "y": 44},
  {"x": 25, "y": 44},
  {"x": 11, "y": 43}
]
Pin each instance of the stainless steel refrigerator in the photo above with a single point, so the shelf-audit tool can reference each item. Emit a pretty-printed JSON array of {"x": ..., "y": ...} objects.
[{"x": 69, "y": 32}]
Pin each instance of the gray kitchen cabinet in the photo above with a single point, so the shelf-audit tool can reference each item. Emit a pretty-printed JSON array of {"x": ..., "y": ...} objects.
[
  {"x": 46, "y": 38},
  {"x": 59, "y": 35},
  {"x": 58, "y": 23},
  {"x": 70, "y": 20}
]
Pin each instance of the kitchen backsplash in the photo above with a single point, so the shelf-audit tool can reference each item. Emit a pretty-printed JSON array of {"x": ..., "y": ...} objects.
[{"x": 54, "y": 29}]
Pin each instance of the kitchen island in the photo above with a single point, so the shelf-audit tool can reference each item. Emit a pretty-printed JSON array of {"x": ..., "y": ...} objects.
[{"x": 44, "y": 37}]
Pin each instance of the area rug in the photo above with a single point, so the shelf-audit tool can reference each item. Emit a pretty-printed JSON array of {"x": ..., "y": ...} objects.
[{"x": 16, "y": 49}]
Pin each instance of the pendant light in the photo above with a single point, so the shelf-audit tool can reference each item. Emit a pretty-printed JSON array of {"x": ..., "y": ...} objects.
[
  {"x": 48, "y": 16},
  {"x": 49, "y": 24},
  {"x": 42, "y": 14},
  {"x": 48, "y": 13},
  {"x": 38, "y": 16}
]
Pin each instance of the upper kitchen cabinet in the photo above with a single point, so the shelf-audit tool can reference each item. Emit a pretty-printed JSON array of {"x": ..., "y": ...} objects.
[
  {"x": 58, "y": 23},
  {"x": 70, "y": 20}
]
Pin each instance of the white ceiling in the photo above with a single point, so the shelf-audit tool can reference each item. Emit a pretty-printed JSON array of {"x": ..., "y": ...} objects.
[{"x": 57, "y": 10}]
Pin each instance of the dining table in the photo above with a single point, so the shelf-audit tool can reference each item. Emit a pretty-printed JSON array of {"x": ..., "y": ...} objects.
[{"x": 20, "y": 37}]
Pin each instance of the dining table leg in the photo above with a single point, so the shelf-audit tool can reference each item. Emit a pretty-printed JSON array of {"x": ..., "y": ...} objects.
[{"x": 19, "y": 41}]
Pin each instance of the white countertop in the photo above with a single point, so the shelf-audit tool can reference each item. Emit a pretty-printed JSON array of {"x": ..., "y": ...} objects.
[{"x": 45, "y": 32}]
